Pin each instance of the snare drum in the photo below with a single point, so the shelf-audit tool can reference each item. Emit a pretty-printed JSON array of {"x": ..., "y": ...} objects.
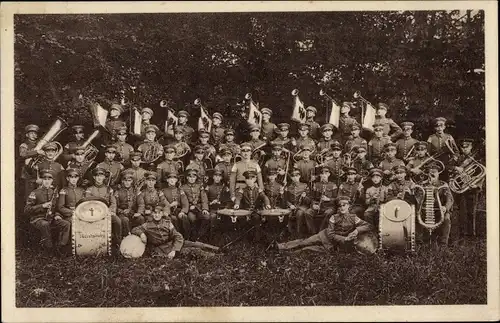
[
  {"x": 234, "y": 214},
  {"x": 275, "y": 213},
  {"x": 397, "y": 226},
  {"x": 91, "y": 229}
]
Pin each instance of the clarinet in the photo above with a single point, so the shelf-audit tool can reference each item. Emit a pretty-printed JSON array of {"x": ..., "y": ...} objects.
[{"x": 48, "y": 214}]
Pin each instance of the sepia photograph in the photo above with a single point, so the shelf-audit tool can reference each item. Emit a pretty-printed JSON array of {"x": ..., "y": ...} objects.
[{"x": 274, "y": 158}]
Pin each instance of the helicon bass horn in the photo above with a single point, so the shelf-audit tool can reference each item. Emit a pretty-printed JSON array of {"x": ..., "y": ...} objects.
[
  {"x": 426, "y": 213},
  {"x": 473, "y": 173},
  {"x": 57, "y": 127}
]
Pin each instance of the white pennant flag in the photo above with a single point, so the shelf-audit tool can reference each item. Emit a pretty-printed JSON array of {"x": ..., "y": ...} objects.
[
  {"x": 99, "y": 115},
  {"x": 136, "y": 127},
  {"x": 335, "y": 114},
  {"x": 254, "y": 115},
  {"x": 369, "y": 118},
  {"x": 299, "y": 111},
  {"x": 171, "y": 119}
]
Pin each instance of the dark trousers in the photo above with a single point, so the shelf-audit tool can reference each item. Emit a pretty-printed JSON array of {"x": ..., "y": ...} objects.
[
  {"x": 62, "y": 227},
  {"x": 201, "y": 224},
  {"x": 467, "y": 203}
]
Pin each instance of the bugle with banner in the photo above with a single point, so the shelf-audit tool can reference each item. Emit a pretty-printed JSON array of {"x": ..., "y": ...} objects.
[
  {"x": 171, "y": 118},
  {"x": 367, "y": 114},
  {"x": 99, "y": 115},
  {"x": 299, "y": 111},
  {"x": 204, "y": 121},
  {"x": 254, "y": 114},
  {"x": 334, "y": 118}
]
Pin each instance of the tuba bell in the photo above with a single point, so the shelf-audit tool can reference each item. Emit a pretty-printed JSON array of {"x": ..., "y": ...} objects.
[
  {"x": 472, "y": 174},
  {"x": 91, "y": 151},
  {"x": 57, "y": 127}
]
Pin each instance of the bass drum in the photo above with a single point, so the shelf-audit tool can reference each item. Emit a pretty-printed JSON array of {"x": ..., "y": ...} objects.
[
  {"x": 91, "y": 229},
  {"x": 397, "y": 226}
]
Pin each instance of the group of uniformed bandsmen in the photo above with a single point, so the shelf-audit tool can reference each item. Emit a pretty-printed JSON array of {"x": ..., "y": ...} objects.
[{"x": 331, "y": 179}]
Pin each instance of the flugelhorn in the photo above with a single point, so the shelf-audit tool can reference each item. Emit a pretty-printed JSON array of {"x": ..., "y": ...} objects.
[{"x": 57, "y": 127}]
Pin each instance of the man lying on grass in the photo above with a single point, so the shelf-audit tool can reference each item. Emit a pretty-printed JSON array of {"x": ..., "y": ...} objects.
[
  {"x": 164, "y": 240},
  {"x": 344, "y": 229}
]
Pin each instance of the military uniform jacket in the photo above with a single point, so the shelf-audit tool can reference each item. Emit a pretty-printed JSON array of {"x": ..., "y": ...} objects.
[
  {"x": 196, "y": 195},
  {"x": 138, "y": 174},
  {"x": 149, "y": 198},
  {"x": 242, "y": 166},
  {"x": 226, "y": 170},
  {"x": 345, "y": 124},
  {"x": 340, "y": 225},
  {"x": 376, "y": 147},
  {"x": 188, "y": 131},
  {"x": 274, "y": 191},
  {"x": 104, "y": 192},
  {"x": 114, "y": 168},
  {"x": 397, "y": 189},
  {"x": 294, "y": 191},
  {"x": 437, "y": 143},
  {"x": 388, "y": 164},
  {"x": 35, "y": 200},
  {"x": 360, "y": 142},
  {"x": 57, "y": 170},
  {"x": 81, "y": 168},
  {"x": 274, "y": 163},
  {"x": 113, "y": 124},
  {"x": 68, "y": 197},
  {"x": 335, "y": 166},
  {"x": 217, "y": 134},
  {"x": 268, "y": 130},
  {"x": 160, "y": 233},
  {"x": 177, "y": 194},
  {"x": 327, "y": 189},
  {"x": 126, "y": 201},
  {"x": 256, "y": 143},
  {"x": 26, "y": 151},
  {"x": 208, "y": 149},
  {"x": 352, "y": 190},
  {"x": 362, "y": 166},
  {"x": 285, "y": 142},
  {"x": 69, "y": 147},
  {"x": 389, "y": 125},
  {"x": 167, "y": 167},
  {"x": 199, "y": 166},
  {"x": 217, "y": 192},
  {"x": 376, "y": 195},
  {"x": 403, "y": 146},
  {"x": 250, "y": 198},
  {"x": 313, "y": 128},
  {"x": 306, "y": 168},
  {"x": 123, "y": 149},
  {"x": 307, "y": 142},
  {"x": 324, "y": 145}
]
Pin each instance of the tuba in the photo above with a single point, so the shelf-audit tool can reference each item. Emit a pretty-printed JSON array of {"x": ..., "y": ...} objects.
[
  {"x": 91, "y": 151},
  {"x": 472, "y": 174},
  {"x": 57, "y": 127},
  {"x": 426, "y": 215}
]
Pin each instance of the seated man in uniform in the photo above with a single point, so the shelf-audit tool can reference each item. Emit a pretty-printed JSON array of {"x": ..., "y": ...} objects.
[
  {"x": 343, "y": 230},
  {"x": 375, "y": 196},
  {"x": 179, "y": 204},
  {"x": 126, "y": 202},
  {"x": 249, "y": 198},
  {"x": 198, "y": 206},
  {"x": 39, "y": 206},
  {"x": 323, "y": 205},
  {"x": 218, "y": 197},
  {"x": 297, "y": 199},
  {"x": 150, "y": 197},
  {"x": 165, "y": 241}
]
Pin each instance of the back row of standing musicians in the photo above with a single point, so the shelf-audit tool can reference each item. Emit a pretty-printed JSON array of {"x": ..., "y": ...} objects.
[{"x": 270, "y": 170}]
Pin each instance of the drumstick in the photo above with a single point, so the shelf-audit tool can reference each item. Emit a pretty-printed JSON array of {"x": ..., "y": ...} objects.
[{"x": 238, "y": 238}]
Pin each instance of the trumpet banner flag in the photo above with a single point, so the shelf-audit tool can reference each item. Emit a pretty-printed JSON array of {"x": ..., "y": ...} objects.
[
  {"x": 99, "y": 114},
  {"x": 335, "y": 115},
  {"x": 299, "y": 111},
  {"x": 254, "y": 115},
  {"x": 204, "y": 121},
  {"x": 137, "y": 122},
  {"x": 369, "y": 118},
  {"x": 171, "y": 120}
]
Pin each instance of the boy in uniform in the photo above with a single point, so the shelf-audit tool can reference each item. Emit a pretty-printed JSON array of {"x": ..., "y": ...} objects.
[
  {"x": 126, "y": 202},
  {"x": 218, "y": 197},
  {"x": 375, "y": 196},
  {"x": 346, "y": 121},
  {"x": 282, "y": 138},
  {"x": 225, "y": 165},
  {"x": 276, "y": 162},
  {"x": 69, "y": 195},
  {"x": 388, "y": 163},
  {"x": 149, "y": 144},
  {"x": 336, "y": 164},
  {"x": 360, "y": 163},
  {"x": 306, "y": 166},
  {"x": 137, "y": 171},
  {"x": 249, "y": 198},
  {"x": 354, "y": 191},
  {"x": 198, "y": 164},
  {"x": 78, "y": 162},
  {"x": 146, "y": 115},
  {"x": 183, "y": 125},
  {"x": 150, "y": 197},
  {"x": 405, "y": 144},
  {"x": 229, "y": 142},
  {"x": 387, "y": 124},
  {"x": 39, "y": 206},
  {"x": 179, "y": 204},
  {"x": 198, "y": 206},
  {"x": 255, "y": 141},
  {"x": 160, "y": 235},
  {"x": 208, "y": 149},
  {"x": 400, "y": 188},
  {"x": 297, "y": 199},
  {"x": 50, "y": 163},
  {"x": 123, "y": 149},
  {"x": 268, "y": 128},
  {"x": 343, "y": 229},
  {"x": 101, "y": 190},
  {"x": 114, "y": 122},
  {"x": 113, "y": 167},
  {"x": 304, "y": 139},
  {"x": 355, "y": 140},
  {"x": 377, "y": 143},
  {"x": 274, "y": 190},
  {"x": 26, "y": 150},
  {"x": 325, "y": 143},
  {"x": 437, "y": 142},
  {"x": 217, "y": 130},
  {"x": 323, "y": 205}
]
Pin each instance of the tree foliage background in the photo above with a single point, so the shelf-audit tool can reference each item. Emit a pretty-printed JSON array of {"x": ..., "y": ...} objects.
[{"x": 423, "y": 64}]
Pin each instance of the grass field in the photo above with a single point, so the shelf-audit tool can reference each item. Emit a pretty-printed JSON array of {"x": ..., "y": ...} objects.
[{"x": 246, "y": 275}]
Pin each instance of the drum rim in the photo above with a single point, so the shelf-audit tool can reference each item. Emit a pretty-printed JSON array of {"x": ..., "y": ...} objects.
[
  {"x": 286, "y": 212},
  {"x": 243, "y": 212}
]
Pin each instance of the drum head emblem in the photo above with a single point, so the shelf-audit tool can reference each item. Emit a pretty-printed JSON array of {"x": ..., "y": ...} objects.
[{"x": 91, "y": 211}]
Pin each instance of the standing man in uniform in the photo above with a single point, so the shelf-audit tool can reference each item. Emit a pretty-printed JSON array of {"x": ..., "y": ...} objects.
[
  {"x": 405, "y": 144},
  {"x": 441, "y": 142},
  {"x": 346, "y": 122},
  {"x": 376, "y": 144},
  {"x": 217, "y": 131},
  {"x": 78, "y": 132},
  {"x": 49, "y": 163},
  {"x": 268, "y": 128},
  {"x": 123, "y": 149},
  {"x": 387, "y": 123},
  {"x": 237, "y": 180},
  {"x": 182, "y": 123},
  {"x": 313, "y": 125},
  {"x": 26, "y": 150},
  {"x": 113, "y": 167}
]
